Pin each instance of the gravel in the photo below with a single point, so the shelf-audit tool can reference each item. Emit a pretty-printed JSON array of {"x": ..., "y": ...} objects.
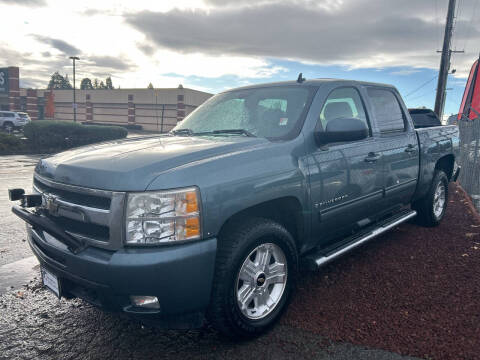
[
  {"x": 414, "y": 291},
  {"x": 36, "y": 325}
]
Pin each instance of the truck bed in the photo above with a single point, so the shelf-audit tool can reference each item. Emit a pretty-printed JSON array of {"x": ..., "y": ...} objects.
[{"x": 434, "y": 143}]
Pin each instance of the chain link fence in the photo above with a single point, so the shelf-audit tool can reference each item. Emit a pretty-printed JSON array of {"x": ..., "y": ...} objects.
[{"x": 470, "y": 158}]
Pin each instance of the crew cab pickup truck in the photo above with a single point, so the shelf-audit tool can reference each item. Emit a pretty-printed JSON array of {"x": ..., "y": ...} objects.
[{"x": 214, "y": 219}]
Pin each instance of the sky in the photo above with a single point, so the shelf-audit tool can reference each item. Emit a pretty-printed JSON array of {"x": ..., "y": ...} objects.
[{"x": 214, "y": 45}]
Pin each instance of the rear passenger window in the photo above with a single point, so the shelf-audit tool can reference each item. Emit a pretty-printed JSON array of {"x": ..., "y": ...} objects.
[
  {"x": 343, "y": 103},
  {"x": 387, "y": 110}
]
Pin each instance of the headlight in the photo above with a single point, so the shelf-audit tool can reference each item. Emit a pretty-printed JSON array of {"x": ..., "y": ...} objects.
[{"x": 155, "y": 217}]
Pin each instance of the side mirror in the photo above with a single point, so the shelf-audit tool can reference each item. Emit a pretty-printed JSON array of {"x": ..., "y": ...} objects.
[{"x": 342, "y": 129}]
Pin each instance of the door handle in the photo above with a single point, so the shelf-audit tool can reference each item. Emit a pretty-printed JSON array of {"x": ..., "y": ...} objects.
[
  {"x": 410, "y": 148},
  {"x": 372, "y": 157}
]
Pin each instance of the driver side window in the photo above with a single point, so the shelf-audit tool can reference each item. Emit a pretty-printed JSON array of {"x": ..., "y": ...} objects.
[{"x": 343, "y": 103}]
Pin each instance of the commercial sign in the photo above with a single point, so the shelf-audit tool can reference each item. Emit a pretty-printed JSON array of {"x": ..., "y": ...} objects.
[{"x": 3, "y": 80}]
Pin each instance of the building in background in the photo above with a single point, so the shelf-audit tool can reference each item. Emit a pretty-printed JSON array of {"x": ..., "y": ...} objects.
[{"x": 147, "y": 109}]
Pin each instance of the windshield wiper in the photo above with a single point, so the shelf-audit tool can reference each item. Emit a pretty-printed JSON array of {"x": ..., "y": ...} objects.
[
  {"x": 182, "y": 131},
  {"x": 234, "y": 131}
]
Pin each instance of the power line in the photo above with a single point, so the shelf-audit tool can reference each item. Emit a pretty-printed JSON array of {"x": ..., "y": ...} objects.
[
  {"x": 421, "y": 86},
  {"x": 432, "y": 92}
]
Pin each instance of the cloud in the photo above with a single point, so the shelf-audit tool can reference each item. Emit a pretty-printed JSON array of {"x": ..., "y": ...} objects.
[
  {"x": 91, "y": 12},
  {"x": 58, "y": 44},
  {"x": 31, "y": 3},
  {"x": 147, "y": 49},
  {"x": 110, "y": 62},
  {"x": 356, "y": 34},
  {"x": 325, "y": 4}
]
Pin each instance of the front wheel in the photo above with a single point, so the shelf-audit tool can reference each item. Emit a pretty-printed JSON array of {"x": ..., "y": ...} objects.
[
  {"x": 431, "y": 208},
  {"x": 255, "y": 274}
]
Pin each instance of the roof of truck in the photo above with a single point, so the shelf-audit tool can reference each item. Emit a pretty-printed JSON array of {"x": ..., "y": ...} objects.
[{"x": 314, "y": 82}]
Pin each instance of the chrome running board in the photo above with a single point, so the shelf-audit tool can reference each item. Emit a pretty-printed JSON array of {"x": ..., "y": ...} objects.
[{"x": 361, "y": 238}]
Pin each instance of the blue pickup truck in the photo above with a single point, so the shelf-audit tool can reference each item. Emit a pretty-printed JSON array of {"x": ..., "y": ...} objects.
[{"x": 214, "y": 219}]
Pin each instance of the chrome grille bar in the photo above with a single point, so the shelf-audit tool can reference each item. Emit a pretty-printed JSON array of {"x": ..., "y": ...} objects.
[{"x": 111, "y": 219}]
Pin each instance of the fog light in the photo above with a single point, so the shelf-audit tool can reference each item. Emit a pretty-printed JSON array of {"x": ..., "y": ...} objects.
[{"x": 147, "y": 302}]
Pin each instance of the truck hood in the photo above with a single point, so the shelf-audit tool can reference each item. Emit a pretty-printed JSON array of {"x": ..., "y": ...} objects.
[{"x": 131, "y": 164}]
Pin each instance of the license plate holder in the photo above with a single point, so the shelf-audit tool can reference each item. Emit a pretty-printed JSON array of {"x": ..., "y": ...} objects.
[{"x": 51, "y": 281}]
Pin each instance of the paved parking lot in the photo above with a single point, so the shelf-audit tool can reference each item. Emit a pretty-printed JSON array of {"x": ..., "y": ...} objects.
[
  {"x": 414, "y": 291},
  {"x": 15, "y": 171}
]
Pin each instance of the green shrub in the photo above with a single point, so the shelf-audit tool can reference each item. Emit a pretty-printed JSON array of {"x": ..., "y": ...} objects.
[
  {"x": 11, "y": 144},
  {"x": 48, "y": 135}
]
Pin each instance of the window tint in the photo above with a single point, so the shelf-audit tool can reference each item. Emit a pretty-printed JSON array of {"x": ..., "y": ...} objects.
[
  {"x": 343, "y": 103},
  {"x": 387, "y": 110}
]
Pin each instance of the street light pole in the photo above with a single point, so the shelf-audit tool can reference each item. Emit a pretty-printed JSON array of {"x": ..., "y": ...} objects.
[{"x": 74, "y": 100}]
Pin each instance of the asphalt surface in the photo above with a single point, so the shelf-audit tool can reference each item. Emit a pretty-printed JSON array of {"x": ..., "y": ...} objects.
[
  {"x": 15, "y": 172},
  {"x": 37, "y": 325}
]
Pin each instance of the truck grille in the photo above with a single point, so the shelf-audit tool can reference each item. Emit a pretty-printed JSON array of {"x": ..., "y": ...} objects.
[
  {"x": 73, "y": 197},
  {"x": 94, "y": 216}
]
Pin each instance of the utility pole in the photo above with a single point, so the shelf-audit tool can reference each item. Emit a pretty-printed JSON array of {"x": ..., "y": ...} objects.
[
  {"x": 445, "y": 60},
  {"x": 74, "y": 100}
]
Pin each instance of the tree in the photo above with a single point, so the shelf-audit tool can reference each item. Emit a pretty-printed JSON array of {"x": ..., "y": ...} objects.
[
  {"x": 150, "y": 86},
  {"x": 108, "y": 83},
  {"x": 95, "y": 83},
  {"x": 102, "y": 85},
  {"x": 58, "y": 81},
  {"x": 86, "y": 84}
]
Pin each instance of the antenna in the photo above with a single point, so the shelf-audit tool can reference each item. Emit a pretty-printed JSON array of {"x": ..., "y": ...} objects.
[{"x": 300, "y": 78}]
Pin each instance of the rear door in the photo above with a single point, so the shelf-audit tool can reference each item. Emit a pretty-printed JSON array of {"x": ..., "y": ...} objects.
[
  {"x": 345, "y": 178},
  {"x": 397, "y": 142}
]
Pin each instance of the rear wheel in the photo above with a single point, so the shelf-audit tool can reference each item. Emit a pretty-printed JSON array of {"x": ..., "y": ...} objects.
[
  {"x": 431, "y": 208},
  {"x": 255, "y": 275}
]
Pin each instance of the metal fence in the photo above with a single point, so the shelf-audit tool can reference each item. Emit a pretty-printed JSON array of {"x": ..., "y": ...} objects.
[{"x": 470, "y": 158}]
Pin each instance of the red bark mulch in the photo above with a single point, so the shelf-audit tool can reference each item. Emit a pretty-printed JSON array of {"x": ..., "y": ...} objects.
[{"x": 414, "y": 291}]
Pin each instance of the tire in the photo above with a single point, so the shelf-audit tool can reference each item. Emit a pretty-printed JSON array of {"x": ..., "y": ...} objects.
[
  {"x": 430, "y": 208},
  {"x": 238, "y": 249},
  {"x": 8, "y": 126}
]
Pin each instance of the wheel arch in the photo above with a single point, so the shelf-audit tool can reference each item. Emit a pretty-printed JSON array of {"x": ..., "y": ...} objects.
[
  {"x": 287, "y": 211},
  {"x": 446, "y": 164}
]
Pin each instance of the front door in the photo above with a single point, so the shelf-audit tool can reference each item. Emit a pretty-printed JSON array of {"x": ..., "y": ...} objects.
[{"x": 345, "y": 178}]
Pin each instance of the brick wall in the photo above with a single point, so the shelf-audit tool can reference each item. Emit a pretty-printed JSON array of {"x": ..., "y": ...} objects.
[{"x": 154, "y": 110}]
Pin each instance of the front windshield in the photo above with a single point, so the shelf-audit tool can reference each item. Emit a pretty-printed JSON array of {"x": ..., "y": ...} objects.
[{"x": 269, "y": 112}]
